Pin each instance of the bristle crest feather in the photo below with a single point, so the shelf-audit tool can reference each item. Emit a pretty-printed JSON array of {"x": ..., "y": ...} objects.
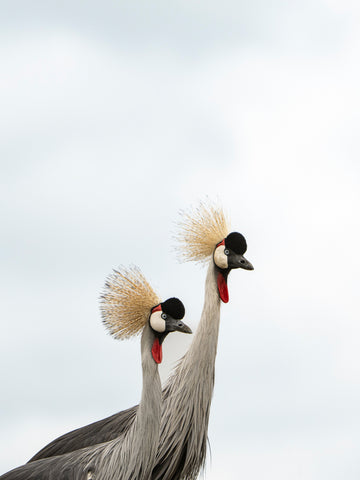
[
  {"x": 126, "y": 302},
  {"x": 199, "y": 231}
]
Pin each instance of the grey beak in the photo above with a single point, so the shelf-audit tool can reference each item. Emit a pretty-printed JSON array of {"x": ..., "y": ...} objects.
[
  {"x": 182, "y": 327},
  {"x": 175, "y": 325},
  {"x": 239, "y": 261}
]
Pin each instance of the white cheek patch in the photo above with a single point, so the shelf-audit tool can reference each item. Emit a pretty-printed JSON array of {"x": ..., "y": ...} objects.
[
  {"x": 157, "y": 323},
  {"x": 220, "y": 259}
]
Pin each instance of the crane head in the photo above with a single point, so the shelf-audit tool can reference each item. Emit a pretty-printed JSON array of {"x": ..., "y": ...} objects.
[
  {"x": 166, "y": 317},
  {"x": 229, "y": 254},
  {"x": 203, "y": 234}
]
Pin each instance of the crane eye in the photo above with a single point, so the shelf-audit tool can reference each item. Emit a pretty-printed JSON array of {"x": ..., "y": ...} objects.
[
  {"x": 226, "y": 251},
  {"x": 164, "y": 316}
]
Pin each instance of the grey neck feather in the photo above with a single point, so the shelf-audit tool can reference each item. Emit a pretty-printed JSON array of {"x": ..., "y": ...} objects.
[
  {"x": 187, "y": 397},
  {"x": 132, "y": 457}
]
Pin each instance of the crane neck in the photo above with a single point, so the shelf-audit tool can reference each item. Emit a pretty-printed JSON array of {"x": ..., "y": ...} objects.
[
  {"x": 132, "y": 455},
  {"x": 204, "y": 345},
  {"x": 188, "y": 393},
  {"x": 144, "y": 434},
  {"x": 149, "y": 411}
]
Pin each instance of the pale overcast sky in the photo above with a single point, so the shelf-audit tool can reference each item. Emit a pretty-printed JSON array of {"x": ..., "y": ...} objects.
[{"x": 115, "y": 116}]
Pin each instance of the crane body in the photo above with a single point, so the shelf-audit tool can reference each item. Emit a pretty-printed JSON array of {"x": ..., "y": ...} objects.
[{"x": 131, "y": 455}]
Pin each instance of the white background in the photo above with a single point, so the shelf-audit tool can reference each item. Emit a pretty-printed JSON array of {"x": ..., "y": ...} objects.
[{"x": 115, "y": 115}]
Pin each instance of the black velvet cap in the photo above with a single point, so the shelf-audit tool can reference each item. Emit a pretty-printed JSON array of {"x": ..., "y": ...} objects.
[
  {"x": 236, "y": 242},
  {"x": 173, "y": 307}
]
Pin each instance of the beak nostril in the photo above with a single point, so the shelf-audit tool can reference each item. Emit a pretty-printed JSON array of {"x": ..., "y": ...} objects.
[{"x": 242, "y": 261}]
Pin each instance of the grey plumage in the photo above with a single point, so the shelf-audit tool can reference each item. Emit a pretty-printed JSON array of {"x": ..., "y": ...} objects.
[
  {"x": 131, "y": 456},
  {"x": 97, "y": 432},
  {"x": 187, "y": 395},
  {"x": 186, "y": 404}
]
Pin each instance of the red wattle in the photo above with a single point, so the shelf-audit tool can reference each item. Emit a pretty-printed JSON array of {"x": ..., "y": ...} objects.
[
  {"x": 222, "y": 287},
  {"x": 157, "y": 351}
]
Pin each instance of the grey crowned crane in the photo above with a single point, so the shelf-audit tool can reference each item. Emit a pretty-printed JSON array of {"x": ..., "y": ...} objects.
[
  {"x": 203, "y": 237},
  {"x": 129, "y": 306}
]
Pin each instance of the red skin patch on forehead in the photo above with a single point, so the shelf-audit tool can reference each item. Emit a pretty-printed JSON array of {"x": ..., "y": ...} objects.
[
  {"x": 157, "y": 351},
  {"x": 222, "y": 287},
  {"x": 221, "y": 243},
  {"x": 156, "y": 309}
]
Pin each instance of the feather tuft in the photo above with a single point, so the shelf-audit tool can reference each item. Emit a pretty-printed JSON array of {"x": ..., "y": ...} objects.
[
  {"x": 199, "y": 230},
  {"x": 126, "y": 302}
]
